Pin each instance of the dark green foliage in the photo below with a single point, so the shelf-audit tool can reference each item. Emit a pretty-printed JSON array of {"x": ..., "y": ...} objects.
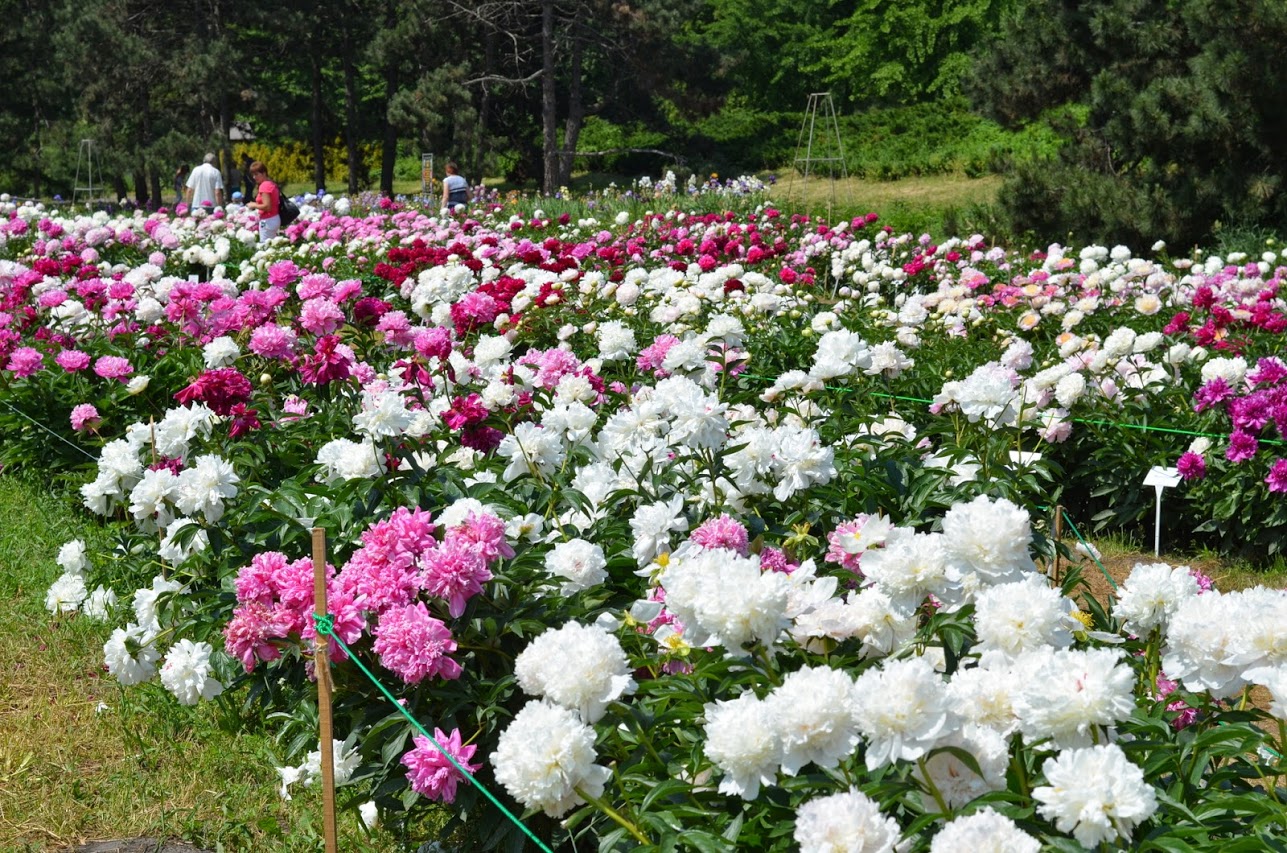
[{"x": 1181, "y": 128}]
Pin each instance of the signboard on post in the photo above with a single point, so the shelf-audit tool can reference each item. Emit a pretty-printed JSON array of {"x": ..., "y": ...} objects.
[
  {"x": 426, "y": 174},
  {"x": 1160, "y": 478}
]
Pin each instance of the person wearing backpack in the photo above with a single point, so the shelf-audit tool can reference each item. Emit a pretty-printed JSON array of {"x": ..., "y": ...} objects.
[
  {"x": 268, "y": 199},
  {"x": 455, "y": 189}
]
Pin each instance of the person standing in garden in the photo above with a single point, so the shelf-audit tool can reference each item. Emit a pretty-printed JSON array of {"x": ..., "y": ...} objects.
[
  {"x": 205, "y": 185},
  {"x": 180, "y": 180},
  {"x": 455, "y": 189},
  {"x": 267, "y": 201}
]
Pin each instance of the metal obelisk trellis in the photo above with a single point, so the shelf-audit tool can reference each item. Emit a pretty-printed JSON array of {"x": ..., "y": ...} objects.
[
  {"x": 821, "y": 145},
  {"x": 85, "y": 155}
]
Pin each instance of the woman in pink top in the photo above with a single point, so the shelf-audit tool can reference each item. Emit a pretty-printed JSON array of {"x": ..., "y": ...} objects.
[{"x": 267, "y": 200}]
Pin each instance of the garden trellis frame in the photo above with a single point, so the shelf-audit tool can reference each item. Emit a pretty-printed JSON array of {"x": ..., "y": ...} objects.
[
  {"x": 823, "y": 145},
  {"x": 86, "y": 155}
]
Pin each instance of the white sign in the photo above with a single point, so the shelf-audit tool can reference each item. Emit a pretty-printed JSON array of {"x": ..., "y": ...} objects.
[{"x": 1160, "y": 478}]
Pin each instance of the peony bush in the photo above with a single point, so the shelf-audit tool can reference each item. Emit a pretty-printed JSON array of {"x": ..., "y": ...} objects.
[{"x": 685, "y": 524}]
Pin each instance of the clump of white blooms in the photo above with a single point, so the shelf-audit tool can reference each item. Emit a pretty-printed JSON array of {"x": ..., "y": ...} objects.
[
  {"x": 579, "y": 667},
  {"x": 186, "y": 672},
  {"x": 545, "y": 755},
  {"x": 726, "y": 600},
  {"x": 1095, "y": 793},
  {"x": 346, "y": 759},
  {"x": 849, "y": 821},
  {"x": 1215, "y": 638},
  {"x": 1011, "y": 618}
]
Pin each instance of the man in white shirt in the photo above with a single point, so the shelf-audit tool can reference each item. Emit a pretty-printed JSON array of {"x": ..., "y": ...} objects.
[{"x": 205, "y": 185}]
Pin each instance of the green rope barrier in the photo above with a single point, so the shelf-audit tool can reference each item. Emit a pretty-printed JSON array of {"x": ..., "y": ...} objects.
[
  {"x": 1089, "y": 550},
  {"x": 325, "y": 625},
  {"x": 1085, "y": 421}
]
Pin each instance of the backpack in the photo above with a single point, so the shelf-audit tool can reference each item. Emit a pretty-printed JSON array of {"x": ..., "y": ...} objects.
[{"x": 288, "y": 211}]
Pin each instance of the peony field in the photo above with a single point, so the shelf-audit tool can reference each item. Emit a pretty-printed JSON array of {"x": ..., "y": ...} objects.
[{"x": 672, "y": 521}]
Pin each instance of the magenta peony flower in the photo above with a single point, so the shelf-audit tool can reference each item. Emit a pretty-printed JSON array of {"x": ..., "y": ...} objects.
[
  {"x": 1242, "y": 446},
  {"x": 431, "y": 773},
  {"x": 455, "y": 572},
  {"x": 1191, "y": 466},
  {"x": 1277, "y": 478}
]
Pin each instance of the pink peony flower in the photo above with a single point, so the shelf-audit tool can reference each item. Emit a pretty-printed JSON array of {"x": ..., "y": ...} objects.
[
  {"x": 25, "y": 361},
  {"x": 414, "y": 645},
  {"x": 113, "y": 367},
  {"x": 249, "y": 634},
  {"x": 72, "y": 360},
  {"x": 723, "y": 532},
  {"x": 85, "y": 417},
  {"x": 455, "y": 572},
  {"x": 431, "y": 773}
]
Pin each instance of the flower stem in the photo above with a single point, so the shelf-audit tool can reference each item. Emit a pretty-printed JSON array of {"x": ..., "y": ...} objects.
[
  {"x": 612, "y": 813},
  {"x": 933, "y": 789}
]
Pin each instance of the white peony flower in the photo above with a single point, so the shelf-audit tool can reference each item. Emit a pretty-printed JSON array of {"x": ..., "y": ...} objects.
[
  {"x": 984, "y": 831},
  {"x": 903, "y": 710},
  {"x": 848, "y": 822},
  {"x": 221, "y": 352},
  {"x": 651, "y": 526},
  {"x": 66, "y": 593},
  {"x": 579, "y": 667},
  {"x": 342, "y": 459},
  {"x": 743, "y": 742},
  {"x": 1064, "y": 694},
  {"x": 580, "y": 563},
  {"x": 1151, "y": 594},
  {"x": 72, "y": 558},
  {"x": 726, "y": 600},
  {"x": 99, "y": 604},
  {"x": 1017, "y": 617},
  {"x": 544, "y": 756},
  {"x": 186, "y": 672},
  {"x": 531, "y": 450},
  {"x": 813, "y": 713},
  {"x": 145, "y": 601},
  {"x": 952, "y": 778},
  {"x": 130, "y": 655},
  {"x": 909, "y": 567},
  {"x": 988, "y": 539},
  {"x": 1095, "y": 793}
]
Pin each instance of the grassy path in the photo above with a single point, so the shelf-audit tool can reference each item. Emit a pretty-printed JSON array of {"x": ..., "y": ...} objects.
[{"x": 81, "y": 759}]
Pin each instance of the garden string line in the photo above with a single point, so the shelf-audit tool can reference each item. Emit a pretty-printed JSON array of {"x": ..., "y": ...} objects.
[
  {"x": 1087, "y": 421},
  {"x": 1090, "y": 550},
  {"x": 50, "y": 431},
  {"x": 324, "y": 625}
]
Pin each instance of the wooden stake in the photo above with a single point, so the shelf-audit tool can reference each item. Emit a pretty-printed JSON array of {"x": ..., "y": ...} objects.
[
  {"x": 1059, "y": 535},
  {"x": 322, "y": 668}
]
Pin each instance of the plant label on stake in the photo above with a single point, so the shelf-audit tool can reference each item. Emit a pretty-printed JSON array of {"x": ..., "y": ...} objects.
[{"x": 1160, "y": 478}]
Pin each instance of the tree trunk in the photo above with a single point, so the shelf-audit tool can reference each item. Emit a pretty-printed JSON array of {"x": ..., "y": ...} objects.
[
  {"x": 155, "y": 179},
  {"x": 140, "y": 186},
  {"x": 549, "y": 103},
  {"x": 575, "y": 117},
  {"x": 389, "y": 155},
  {"x": 225, "y": 143},
  {"x": 319, "y": 151},
  {"x": 351, "y": 114}
]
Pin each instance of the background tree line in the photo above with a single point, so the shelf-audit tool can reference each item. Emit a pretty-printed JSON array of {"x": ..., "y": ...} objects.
[{"x": 1116, "y": 119}]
